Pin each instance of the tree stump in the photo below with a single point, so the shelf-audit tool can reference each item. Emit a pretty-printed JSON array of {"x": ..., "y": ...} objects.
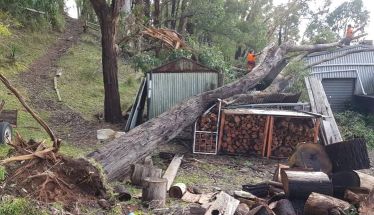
[
  {"x": 300, "y": 184},
  {"x": 348, "y": 155},
  {"x": 154, "y": 192},
  {"x": 140, "y": 172},
  {"x": 319, "y": 204}
]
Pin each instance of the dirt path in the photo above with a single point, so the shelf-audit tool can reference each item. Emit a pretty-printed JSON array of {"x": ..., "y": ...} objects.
[{"x": 38, "y": 81}]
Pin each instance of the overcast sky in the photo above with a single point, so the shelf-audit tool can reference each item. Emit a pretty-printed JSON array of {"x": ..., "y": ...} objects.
[{"x": 369, "y": 5}]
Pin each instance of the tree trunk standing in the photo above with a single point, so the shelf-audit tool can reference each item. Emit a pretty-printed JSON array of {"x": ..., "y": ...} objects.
[
  {"x": 112, "y": 103},
  {"x": 109, "y": 17},
  {"x": 147, "y": 11},
  {"x": 156, "y": 14},
  {"x": 173, "y": 12},
  {"x": 183, "y": 19}
]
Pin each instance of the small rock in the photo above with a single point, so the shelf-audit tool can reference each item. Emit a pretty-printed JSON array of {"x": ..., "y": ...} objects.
[
  {"x": 105, "y": 134},
  {"x": 104, "y": 204},
  {"x": 119, "y": 133}
]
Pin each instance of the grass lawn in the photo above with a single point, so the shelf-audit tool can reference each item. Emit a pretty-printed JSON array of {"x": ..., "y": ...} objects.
[
  {"x": 26, "y": 46},
  {"x": 81, "y": 84}
]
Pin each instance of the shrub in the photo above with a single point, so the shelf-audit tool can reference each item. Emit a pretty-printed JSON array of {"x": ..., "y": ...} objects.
[{"x": 355, "y": 125}]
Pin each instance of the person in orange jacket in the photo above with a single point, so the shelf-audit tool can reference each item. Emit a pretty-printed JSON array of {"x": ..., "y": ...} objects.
[
  {"x": 348, "y": 35},
  {"x": 251, "y": 60}
]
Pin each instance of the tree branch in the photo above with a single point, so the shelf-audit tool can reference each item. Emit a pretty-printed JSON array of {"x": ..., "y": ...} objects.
[
  {"x": 319, "y": 47},
  {"x": 337, "y": 56}
]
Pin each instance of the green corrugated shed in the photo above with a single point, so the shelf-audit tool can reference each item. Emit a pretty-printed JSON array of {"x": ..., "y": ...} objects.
[{"x": 177, "y": 80}]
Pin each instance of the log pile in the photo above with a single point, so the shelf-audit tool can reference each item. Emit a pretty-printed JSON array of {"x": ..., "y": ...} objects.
[
  {"x": 243, "y": 134},
  {"x": 288, "y": 132},
  {"x": 206, "y": 131}
]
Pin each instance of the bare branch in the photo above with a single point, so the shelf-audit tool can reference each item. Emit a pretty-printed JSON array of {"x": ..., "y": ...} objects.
[
  {"x": 319, "y": 47},
  {"x": 338, "y": 56}
]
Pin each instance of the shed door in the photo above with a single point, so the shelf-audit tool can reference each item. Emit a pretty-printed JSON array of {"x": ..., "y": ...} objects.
[{"x": 339, "y": 91}]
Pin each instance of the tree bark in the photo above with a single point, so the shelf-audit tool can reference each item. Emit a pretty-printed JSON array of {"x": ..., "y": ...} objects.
[
  {"x": 154, "y": 192},
  {"x": 300, "y": 184},
  {"x": 173, "y": 13},
  {"x": 343, "y": 180},
  {"x": 319, "y": 204},
  {"x": 183, "y": 19},
  {"x": 140, "y": 172},
  {"x": 156, "y": 17},
  {"x": 109, "y": 17},
  {"x": 348, "y": 155}
]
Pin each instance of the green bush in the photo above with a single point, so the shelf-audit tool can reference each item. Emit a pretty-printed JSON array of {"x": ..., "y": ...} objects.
[
  {"x": 2, "y": 173},
  {"x": 355, "y": 125},
  {"x": 51, "y": 13}
]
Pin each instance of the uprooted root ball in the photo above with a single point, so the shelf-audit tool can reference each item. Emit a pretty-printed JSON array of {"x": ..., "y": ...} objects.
[{"x": 64, "y": 180}]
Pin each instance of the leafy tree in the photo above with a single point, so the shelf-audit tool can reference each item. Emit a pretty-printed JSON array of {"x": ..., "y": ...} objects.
[{"x": 349, "y": 12}]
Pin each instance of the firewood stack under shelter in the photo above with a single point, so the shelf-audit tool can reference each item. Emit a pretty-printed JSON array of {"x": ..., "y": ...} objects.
[{"x": 243, "y": 131}]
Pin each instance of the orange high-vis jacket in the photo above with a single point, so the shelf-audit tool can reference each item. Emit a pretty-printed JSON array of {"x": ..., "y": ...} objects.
[
  {"x": 349, "y": 33},
  {"x": 251, "y": 58}
]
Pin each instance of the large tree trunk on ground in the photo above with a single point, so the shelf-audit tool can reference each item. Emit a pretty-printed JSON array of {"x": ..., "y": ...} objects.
[{"x": 117, "y": 156}]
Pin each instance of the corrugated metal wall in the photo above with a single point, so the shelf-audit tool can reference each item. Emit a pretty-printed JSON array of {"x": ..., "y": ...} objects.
[
  {"x": 346, "y": 67},
  {"x": 168, "y": 89},
  {"x": 339, "y": 92}
]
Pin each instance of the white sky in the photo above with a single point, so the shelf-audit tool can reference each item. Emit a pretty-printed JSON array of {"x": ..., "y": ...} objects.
[{"x": 368, "y": 4}]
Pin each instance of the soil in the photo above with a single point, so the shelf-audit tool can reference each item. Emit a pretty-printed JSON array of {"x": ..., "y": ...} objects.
[
  {"x": 38, "y": 82},
  {"x": 66, "y": 181}
]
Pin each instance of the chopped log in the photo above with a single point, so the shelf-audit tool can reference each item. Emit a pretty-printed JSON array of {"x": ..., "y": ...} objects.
[
  {"x": 245, "y": 195},
  {"x": 197, "y": 209},
  {"x": 348, "y": 155},
  {"x": 311, "y": 156},
  {"x": 366, "y": 180},
  {"x": 342, "y": 180},
  {"x": 367, "y": 206},
  {"x": 277, "y": 174},
  {"x": 284, "y": 207},
  {"x": 242, "y": 209},
  {"x": 260, "y": 190},
  {"x": 353, "y": 198},
  {"x": 172, "y": 170},
  {"x": 154, "y": 192},
  {"x": 140, "y": 172},
  {"x": 224, "y": 204},
  {"x": 261, "y": 210},
  {"x": 190, "y": 197},
  {"x": 300, "y": 184},
  {"x": 123, "y": 194},
  {"x": 319, "y": 204},
  {"x": 250, "y": 203},
  {"x": 177, "y": 190}
]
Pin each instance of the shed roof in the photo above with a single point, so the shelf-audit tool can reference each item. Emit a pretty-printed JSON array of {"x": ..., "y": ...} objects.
[
  {"x": 183, "y": 65},
  {"x": 269, "y": 112}
]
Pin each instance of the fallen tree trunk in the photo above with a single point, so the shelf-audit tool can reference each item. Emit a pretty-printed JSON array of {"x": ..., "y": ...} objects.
[{"x": 117, "y": 156}]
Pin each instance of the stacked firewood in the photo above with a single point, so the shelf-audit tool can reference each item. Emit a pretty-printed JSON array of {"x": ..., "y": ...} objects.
[
  {"x": 288, "y": 132},
  {"x": 206, "y": 131},
  {"x": 243, "y": 134}
]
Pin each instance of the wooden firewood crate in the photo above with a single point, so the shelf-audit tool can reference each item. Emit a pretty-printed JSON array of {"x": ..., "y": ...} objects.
[
  {"x": 269, "y": 133},
  {"x": 206, "y": 131}
]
